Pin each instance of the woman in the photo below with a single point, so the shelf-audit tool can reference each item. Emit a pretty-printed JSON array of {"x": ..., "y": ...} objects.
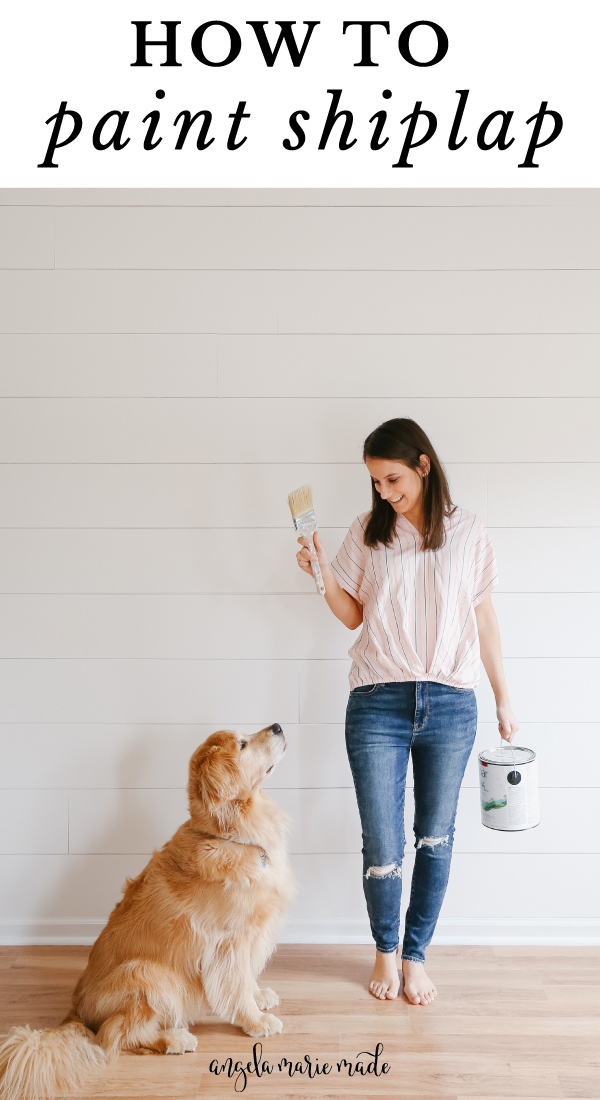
[{"x": 418, "y": 573}]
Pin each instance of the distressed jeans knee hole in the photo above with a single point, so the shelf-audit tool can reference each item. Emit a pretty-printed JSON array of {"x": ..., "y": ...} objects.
[
  {"x": 391, "y": 870},
  {"x": 433, "y": 841}
]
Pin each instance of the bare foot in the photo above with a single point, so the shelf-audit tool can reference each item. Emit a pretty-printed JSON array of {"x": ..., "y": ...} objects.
[
  {"x": 418, "y": 988},
  {"x": 384, "y": 982}
]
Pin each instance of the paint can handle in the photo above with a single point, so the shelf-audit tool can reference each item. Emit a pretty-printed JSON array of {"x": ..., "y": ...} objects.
[{"x": 509, "y": 745}]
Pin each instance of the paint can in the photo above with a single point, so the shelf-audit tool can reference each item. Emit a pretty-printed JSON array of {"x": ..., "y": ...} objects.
[{"x": 508, "y": 788}]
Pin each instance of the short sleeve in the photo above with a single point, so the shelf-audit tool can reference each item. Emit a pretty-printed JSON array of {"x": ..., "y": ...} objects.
[
  {"x": 486, "y": 569},
  {"x": 349, "y": 562}
]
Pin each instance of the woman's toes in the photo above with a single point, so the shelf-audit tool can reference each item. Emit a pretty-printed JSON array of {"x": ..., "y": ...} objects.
[
  {"x": 385, "y": 979},
  {"x": 418, "y": 988}
]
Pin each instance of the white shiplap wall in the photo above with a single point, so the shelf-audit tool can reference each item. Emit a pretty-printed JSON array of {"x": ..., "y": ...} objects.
[{"x": 171, "y": 365}]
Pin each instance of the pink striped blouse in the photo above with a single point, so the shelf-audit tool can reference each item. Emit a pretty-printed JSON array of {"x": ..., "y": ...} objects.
[{"x": 418, "y": 605}]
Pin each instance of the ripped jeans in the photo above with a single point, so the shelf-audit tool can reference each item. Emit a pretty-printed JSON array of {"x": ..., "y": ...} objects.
[{"x": 384, "y": 723}]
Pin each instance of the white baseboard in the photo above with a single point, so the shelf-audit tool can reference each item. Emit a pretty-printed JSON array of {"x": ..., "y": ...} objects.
[
  {"x": 44, "y": 931},
  {"x": 498, "y": 931}
]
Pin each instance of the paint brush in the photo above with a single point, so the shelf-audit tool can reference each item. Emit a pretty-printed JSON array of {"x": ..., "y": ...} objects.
[{"x": 305, "y": 522}]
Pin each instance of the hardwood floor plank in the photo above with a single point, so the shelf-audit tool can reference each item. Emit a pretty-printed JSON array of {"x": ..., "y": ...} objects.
[
  {"x": 575, "y": 1087},
  {"x": 328, "y": 1092},
  {"x": 76, "y": 963},
  {"x": 508, "y": 964},
  {"x": 552, "y": 1048},
  {"x": 550, "y": 1026},
  {"x": 507, "y": 1007},
  {"x": 53, "y": 950},
  {"x": 576, "y": 1065},
  {"x": 565, "y": 992},
  {"x": 554, "y": 952},
  {"x": 176, "y": 1077}
]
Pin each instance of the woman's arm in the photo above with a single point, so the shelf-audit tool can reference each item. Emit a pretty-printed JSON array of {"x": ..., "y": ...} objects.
[
  {"x": 491, "y": 656},
  {"x": 345, "y": 608}
]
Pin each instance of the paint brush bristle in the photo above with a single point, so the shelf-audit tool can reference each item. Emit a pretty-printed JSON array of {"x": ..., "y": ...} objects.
[{"x": 300, "y": 501}]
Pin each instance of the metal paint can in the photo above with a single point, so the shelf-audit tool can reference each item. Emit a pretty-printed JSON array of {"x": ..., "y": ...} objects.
[{"x": 508, "y": 788}]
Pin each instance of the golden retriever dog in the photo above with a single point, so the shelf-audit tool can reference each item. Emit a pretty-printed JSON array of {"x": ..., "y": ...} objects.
[{"x": 192, "y": 931}]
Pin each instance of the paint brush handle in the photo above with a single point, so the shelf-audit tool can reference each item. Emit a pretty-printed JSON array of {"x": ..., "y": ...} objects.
[
  {"x": 306, "y": 525},
  {"x": 316, "y": 568}
]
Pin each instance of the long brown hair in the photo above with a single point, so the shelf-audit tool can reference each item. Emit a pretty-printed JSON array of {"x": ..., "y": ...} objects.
[{"x": 402, "y": 440}]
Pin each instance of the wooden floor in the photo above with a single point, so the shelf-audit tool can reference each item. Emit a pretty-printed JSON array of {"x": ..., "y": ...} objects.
[{"x": 508, "y": 1022}]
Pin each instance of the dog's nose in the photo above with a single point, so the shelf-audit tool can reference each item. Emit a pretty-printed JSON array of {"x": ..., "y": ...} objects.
[{"x": 276, "y": 728}]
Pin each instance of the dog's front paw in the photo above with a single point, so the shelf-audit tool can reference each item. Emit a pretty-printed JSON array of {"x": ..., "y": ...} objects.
[
  {"x": 179, "y": 1041},
  {"x": 266, "y": 998},
  {"x": 265, "y": 1025}
]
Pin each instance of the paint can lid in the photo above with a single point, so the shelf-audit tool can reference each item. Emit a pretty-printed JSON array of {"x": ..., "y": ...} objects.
[{"x": 507, "y": 755}]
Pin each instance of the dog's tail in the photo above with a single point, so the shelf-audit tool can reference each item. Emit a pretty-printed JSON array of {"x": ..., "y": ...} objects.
[{"x": 35, "y": 1065}]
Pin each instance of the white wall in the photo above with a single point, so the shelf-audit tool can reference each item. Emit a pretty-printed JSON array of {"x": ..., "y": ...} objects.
[{"x": 172, "y": 365}]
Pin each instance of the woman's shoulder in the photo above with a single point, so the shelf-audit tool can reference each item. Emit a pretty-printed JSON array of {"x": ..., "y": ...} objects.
[
  {"x": 465, "y": 520},
  {"x": 359, "y": 524},
  {"x": 356, "y": 531}
]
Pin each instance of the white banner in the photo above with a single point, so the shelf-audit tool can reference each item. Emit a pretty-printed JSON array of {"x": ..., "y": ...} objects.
[{"x": 239, "y": 93}]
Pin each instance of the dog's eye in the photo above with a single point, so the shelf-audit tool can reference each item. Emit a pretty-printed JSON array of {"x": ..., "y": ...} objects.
[{"x": 243, "y": 744}]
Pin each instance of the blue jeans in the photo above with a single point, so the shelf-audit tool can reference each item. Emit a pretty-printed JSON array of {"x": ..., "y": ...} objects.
[{"x": 384, "y": 723}]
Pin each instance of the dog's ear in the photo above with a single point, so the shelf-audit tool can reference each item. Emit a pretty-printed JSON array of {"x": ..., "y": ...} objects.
[{"x": 214, "y": 777}]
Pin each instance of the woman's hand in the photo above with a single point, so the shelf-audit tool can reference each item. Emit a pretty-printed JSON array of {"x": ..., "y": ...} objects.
[
  {"x": 491, "y": 656},
  {"x": 304, "y": 556},
  {"x": 507, "y": 723},
  {"x": 345, "y": 608}
]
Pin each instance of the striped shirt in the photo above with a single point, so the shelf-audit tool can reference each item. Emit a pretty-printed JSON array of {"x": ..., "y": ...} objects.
[{"x": 418, "y": 605}]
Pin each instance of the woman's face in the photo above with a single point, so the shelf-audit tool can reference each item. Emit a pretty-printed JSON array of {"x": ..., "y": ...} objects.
[{"x": 397, "y": 483}]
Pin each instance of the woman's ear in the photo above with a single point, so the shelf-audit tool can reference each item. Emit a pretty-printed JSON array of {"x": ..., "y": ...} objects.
[{"x": 425, "y": 464}]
